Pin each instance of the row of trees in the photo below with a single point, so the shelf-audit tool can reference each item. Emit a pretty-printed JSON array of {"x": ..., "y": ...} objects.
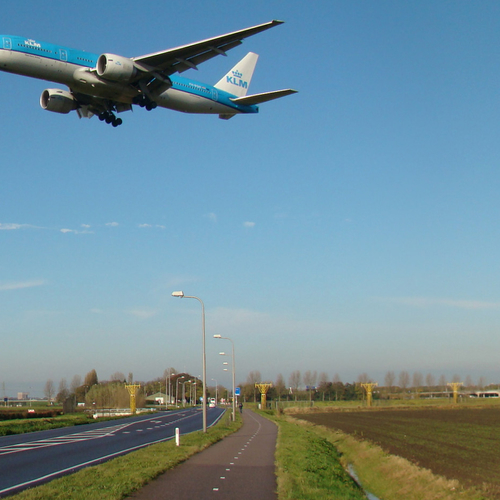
[
  {"x": 404, "y": 381},
  {"x": 112, "y": 393},
  {"x": 309, "y": 385}
]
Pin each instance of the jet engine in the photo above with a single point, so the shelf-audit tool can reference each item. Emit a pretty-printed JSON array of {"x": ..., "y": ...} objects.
[
  {"x": 115, "y": 68},
  {"x": 58, "y": 101}
]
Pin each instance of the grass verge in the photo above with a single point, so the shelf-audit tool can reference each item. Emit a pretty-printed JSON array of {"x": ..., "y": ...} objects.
[
  {"x": 118, "y": 478},
  {"x": 25, "y": 425},
  {"x": 388, "y": 476},
  {"x": 308, "y": 465}
]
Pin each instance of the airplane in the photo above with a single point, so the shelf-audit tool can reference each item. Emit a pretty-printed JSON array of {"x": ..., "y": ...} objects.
[{"x": 106, "y": 84}]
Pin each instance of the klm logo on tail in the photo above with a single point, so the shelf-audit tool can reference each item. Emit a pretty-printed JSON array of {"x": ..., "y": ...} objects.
[{"x": 236, "y": 79}]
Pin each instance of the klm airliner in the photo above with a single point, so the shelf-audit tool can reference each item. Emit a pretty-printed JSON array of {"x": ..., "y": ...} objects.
[{"x": 106, "y": 84}]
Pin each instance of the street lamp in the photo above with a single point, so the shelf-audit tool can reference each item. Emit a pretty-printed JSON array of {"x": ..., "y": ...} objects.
[
  {"x": 184, "y": 392},
  {"x": 177, "y": 389},
  {"x": 204, "y": 405},
  {"x": 232, "y": 356},
  {"x": 216, "y": 390}
]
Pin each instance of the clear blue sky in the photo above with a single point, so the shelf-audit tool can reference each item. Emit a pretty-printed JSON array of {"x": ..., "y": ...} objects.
[{"x": 350, "y": 228}]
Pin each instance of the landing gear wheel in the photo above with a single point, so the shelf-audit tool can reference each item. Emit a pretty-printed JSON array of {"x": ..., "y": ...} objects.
[{"x": 144, "y": 102}]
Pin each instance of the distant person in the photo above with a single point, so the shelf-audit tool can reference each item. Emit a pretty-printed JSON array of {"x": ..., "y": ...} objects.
[{"x": 241, "y": 407}]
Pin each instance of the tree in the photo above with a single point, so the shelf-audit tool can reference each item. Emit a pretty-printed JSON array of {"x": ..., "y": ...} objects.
[
  {"x": 468, "y": 382},
  {"x": 323, "y": 383},
  {"x": 442, "y": 382},
  {"x": 430, "y": 381},
  {"x": 294, "y": 382},
  {"x": 91, "y": 379},
  {"x": 49, "y": 390},
  {"x": 404, "y": 380},
  {"x": 112, "y": 395},
  {"x": 338, "y": 387},
  {"x": 117, "y": 377},
  {"x": 169, "y": 372},
  {"x": 63, "y": 393},
  {"x": 363, "y": 378},
  {"x": 310, "y": 378},
  {"x": 310, "y": 382},
  {"x": 389, "y": 379},
  {"x": 417, "y": 380},
  {"x": 279, "y": 386},
  {"x": 75, "y": 383},
  {"x": 253, "y": 378}
]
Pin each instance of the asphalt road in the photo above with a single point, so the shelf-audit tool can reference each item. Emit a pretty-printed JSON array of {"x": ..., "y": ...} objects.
[
  {"x": 27, "y": 460},
  {"x": 240, "y": 467}
]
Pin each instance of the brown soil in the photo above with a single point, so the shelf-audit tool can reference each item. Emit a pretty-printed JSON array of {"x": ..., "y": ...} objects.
[{"x": 462, "y": 444}]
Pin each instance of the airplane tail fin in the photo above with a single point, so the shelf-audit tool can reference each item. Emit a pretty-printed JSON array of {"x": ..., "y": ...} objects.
[{"x": 237, "y": 80}]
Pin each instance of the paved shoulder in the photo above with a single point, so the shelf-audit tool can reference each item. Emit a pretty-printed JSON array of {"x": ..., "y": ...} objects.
[{"x": 240, "y": 466}]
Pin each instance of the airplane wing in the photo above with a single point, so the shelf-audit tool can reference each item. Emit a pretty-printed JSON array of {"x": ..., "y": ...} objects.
[{"x": 186, "y": 57}]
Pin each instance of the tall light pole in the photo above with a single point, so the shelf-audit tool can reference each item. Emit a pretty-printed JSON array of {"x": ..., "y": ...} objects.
[
  {"x": 204, "y": 358},
  {"x": 234, "y": 363},
  {"x": 216, "y": 391},
  {"x": 184, "y": 392},
  {"x": 168, "y": 391},
  {"x": 177, "y": 389}
]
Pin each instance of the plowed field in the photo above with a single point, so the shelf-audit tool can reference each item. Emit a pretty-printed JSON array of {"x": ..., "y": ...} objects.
[{"x": 462, "y": 444}]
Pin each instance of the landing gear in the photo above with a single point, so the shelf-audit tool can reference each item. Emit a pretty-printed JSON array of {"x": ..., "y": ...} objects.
[
  {"x": 145, "y": 102},
  {"x": 110, "y": 118}
]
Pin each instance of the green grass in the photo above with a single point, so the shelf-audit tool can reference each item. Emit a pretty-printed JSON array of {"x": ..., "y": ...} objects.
[
  {"x": 309, "y": 467},
  {"x": 457, "y": 443},
  {"x": 393, "y": 478},
  {"x": 451, "y": 447},
  {"x": 118, "y": 478},
  {"x": 22, "y": 426}
]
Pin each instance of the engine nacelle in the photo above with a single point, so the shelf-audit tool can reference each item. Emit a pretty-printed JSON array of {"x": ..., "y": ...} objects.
[
  {"x": 115, "y": 68},
  {"x": 57, "y": 101}
]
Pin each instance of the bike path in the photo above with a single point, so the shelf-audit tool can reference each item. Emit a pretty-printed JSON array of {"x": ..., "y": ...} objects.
[{"x": 240, "y": 466}]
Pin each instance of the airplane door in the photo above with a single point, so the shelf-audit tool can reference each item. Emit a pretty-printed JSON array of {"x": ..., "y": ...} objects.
[
  {"x": 215, "y": 95},
  {"x": 7, "y": 43},
  {"x": 63, "y": 54}
]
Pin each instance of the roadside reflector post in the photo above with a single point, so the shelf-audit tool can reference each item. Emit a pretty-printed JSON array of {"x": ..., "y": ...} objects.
[
  {"x": 177, "y": 436},
  {"x": 369, "y": 392}
]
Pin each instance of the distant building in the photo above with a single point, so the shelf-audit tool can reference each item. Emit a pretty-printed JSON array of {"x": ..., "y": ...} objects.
[
  {"x": 159, "y": 398},
  {"x": 23, "y": 395},
  {"x": 485, "y": 394}
]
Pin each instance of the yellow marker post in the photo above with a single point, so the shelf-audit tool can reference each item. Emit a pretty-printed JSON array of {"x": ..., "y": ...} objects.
[
  {"x": 369, "y": 391},
  {"x": 132, "y": 390},
  {"x": 263, "y": 388},
  {"x": 455, "y": 386}
]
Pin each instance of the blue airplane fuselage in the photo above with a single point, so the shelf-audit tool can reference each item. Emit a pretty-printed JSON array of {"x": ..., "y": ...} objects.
[{"x": 76, "y": 69}]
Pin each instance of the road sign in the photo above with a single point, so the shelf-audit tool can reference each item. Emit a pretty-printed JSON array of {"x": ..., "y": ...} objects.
[{"x": 237, "y": 391}]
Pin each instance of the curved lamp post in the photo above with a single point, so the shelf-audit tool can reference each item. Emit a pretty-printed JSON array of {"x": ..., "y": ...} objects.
[{"x": 204, "y": 405}]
